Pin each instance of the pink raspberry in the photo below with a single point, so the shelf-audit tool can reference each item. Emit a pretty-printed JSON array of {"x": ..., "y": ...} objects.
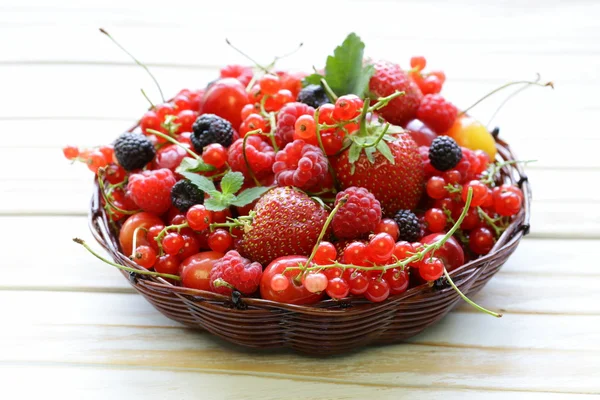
[
  {"x": 286, "y": 121},
  {"x": 300, "y": 164},
  {"x": 437, "y": 113},
  {"x": 360, "y": 215},
  {"x": 235, "y": 272},
  {"x": 259, "y": 153},
  {"x": 151, "y": 190}
]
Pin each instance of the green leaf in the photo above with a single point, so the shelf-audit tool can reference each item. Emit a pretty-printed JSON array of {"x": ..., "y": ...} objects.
[
  {"x": 202, "y": 182},
  {"x": 344, "y": 71},
  {"x": 354, "y": 153},
  {"x": 395, "y": 129},
  {"x": 369, "y": 153},
  {"x": 249, "y": 195},
  {"x": 189, "y": 164},
  {"x": 313, "y": 79},
  {"x": 384, "y": 149},
  {"x": 232, "y": 182},
  {"x": 214, "y": 204}
]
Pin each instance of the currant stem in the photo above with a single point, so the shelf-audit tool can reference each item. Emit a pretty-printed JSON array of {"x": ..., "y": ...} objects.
[
  {"x": 320, "y": 140},
  {"x": 536, "y": 83},
  {"x": 170, "y": 139},
  {"x": 137, "y": 62},
  {"x": 135, "y": 234},
  {"x": 102, "y": 187},
  {"x": 163, "y": 233},
  {"x": 489, "y": 220},
  {"x": 147, "y": 98},
  {"x": 259, "y": 66},
  {"x": 384, "y": 101},
  {"x": 341, "y": 202},
  {"x": 122, "y": 267},
  {"x": 332, "y": 96},
  {"x": 271, "y": 135},
  {"x": 465, "y": 298},
  {"x": 248, "y": 166}
]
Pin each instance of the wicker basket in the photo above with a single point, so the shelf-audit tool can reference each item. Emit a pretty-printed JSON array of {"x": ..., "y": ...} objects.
[{"x": 262, "y": 323}]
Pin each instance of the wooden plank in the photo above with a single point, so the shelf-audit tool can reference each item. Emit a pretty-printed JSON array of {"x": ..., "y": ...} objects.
[{"x": 100, "y": 382}]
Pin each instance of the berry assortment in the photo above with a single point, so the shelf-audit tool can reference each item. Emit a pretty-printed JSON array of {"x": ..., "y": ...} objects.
[{"x": 361, "y": 180}]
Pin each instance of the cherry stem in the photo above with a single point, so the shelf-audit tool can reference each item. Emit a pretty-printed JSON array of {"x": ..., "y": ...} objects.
[
  {"x": 508, "y": 98},
  {"x": 170, "y": 139},
  {"x": 101, "y": 172},
  {"x": 248, "y": 166},
  {"x": 122, "y": 267},
  {"x": 536, "y": 83},
  {"x": 137, "y": 62},
  {"x": 465, "y": 298},
  {"x": 340, "y": 203},
  {"x": 332, "y": 96},
  {"x": 152, "y": 106},
  {"x": 266, "y": 70}
]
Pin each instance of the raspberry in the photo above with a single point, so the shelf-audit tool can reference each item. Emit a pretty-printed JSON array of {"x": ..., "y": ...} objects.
[
  {"x": 151, "y": 190},
  {"x": 184, "y": 195},
  {"x": 240, "y": 72},
  {"x": 210, "y": 128},
  {"x": 388, "y": 78},
  {"x": 408, "y": 225},
  {"x": 259, "y": 153},
  {"x": 301, "y": 165},
  {"x": 313, "y": 95},
  {"x": 444, "y": 153},
  {"x": 437, "y": 113},
  {"x": 360, "y": 215},
  {"x": 286, "y": 121},
  {"x": 235, "y": 272},
  {"x": 133, "y": 151}
]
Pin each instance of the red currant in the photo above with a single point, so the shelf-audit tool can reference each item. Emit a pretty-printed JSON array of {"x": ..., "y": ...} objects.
[
  {"x": 326, "y": 114},
  {"x": 418, "y": 62},
  {"x": 378, "y": 290},
  {"x": 439, "y": 74},
  {"x": 347, "y": 107},
  {"x": 357, "y": 280},
  {"x": 167, "y": 264},
  {"x": 198, "y": 217},
  {"x": 220, "y": 216},
  {"x": 431, "y": 268},
  {"x": 480, "y": 192},
  {"x": 247, "y": 110},
  {"x": 269, "y": 84},
  {"x": 397, "y": 279},
  {"x": 337, "y": 288},
  {"x": 191, "y": 245},
  {"x": 471, "y": 219},
  {"x": 331, "y": 273},
  {"x": 507, "y": 203},
  {"x": 279, "y": 282},
  {"x": 150, "y": 121},
  {"x": 356, "y": 253},
  {"x": 115, "y": 174},
  {"x": 71, "y": 152},
  {"x": 108, "y": 151},
  {"x": 305, "y": 128},
  {"x": 186, "y": 119},
  {"x": 481, "y": 240},
  {"x": 436, "y": 187},
  {"x": 220, "y": 240},
  {"x": 96, "y": 160},
  {"x": 215, "y": 154},
  {"x": 181, "y": 102},
  {"x": 452, "y": 176},
  {"x": 254, "y": 122},
  {"x": 388, "y": 226},
  {"x": 435, "y": 220},
  {"x": 325, "y": 254},
  {"x": 403, "y": 250},
  {"x": 431, "y": 85},
  {"x": 164, "y": 109},
  {"x": 316, "y": 282},
  {"x": 332, "y": 142},
  {"x": 172, "y": 243},
  {"x": 282, "y": 97},
  {"x": 144, "y": 256},
  {"x": 380, "y": 248},
  {"x": 152, "y": 233}
]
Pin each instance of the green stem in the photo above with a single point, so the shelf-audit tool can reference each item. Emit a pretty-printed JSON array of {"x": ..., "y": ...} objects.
[
  {"x": 105, "y": 197},
  {"x": 381, "y": 135},
  {"x": 122, "y": 267},
  {"x": 246, "y": 55},
  {"x": 384, "y": 101},
  {"x": 271, "y": 135},
  {"x": 341, "y": 202},
  {"x": 489, "y": 220},
  {"x": 469, "y": 301},
  {"x": 248, "y": 166},
  {"x": 148, "y": 98},
  {"x": 170, "y": 139},
  {"x": 320, "y": 140},
  {"x": 332, "y": 96},
  {"x": 166, "y": 229}
]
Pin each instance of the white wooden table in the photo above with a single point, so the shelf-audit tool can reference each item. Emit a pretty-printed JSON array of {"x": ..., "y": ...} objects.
[{"x": 72, "y": 327}]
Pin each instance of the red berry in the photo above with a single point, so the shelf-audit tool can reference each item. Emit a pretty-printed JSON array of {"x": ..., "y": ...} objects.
[
  {"x": 152, "y": 233},
  {"x": 431, "y": 85},
  {"x": 292, "y": 293},
  {"x": 96, "y": 160},
  {"x": 326, "y": 114},
  {"x": 144, "y": 256},
  {"x": 332, "y": 141},
  {"x": 279, "y": 282},
  {"x": 439, "y": 74},
  {"x": 431, "y": 268},
  {"x": 301, "y": 165},
  {"x": 326, "y": 254},
  {"x": 167, "y": 264},
  {"x": 452, "y": 176},
  {"x": 220, "y": 216},
  {"x": 247, "y": 110},
  {"x": 254, "y": 122},
  {"x": 356, "y": 254},
  {"x": 378, "y": 290},
  {"x": 380, "y": 248},
  {"x": 471, "y": 219},
  {"x": 481, "y": 240},
  {"x": 388, "y": 226},
  {"x": 186, "y": 119},
  {"x": 507, "y": 203},
  {"x": 437, "y": 113},
  {"x": 347, "y": 107},
  {"x": 305, "y": 128},
  {"x": 115, "y": 174},
  {"x": 286, "y": 121},
  {"x": 436, "y": 187},
  {"x": 282, "y": 97},
  {"x": 435, "y": 220},
  {"x": 191, "y": 245},
  {"x": 71, "y": 152},
  {"x": 181, "y": 102},
  {"x": 360, "y": 214},
  {"x": 235, "y": 272},
  {"x": 357, "y": 280},
  {"x": 480, "y": 192},
  {"x": 169, "y": 156},
  {"x": 150, "y": 120},
  {"x": 402, "y": 250},
  {"x": 316, "y": 282},
  {"x": 418, "y": 62},
  {"x": 220, "y": 240},
  {"x": 198, "y": 217},
  {"x": 269, "y": 84},
  {"x": 259, "y": 153},
  {"x": 151, "y": 190},
  {"x": 397, "y": 279},
  {"x": 240, "y": 72},
  {"x": 338, "y": 288},
  {"x": 163, "y": 110},
  {"x": 172, "y": 243},
  {"x": 226, "y": 98},
  {"x": 215, "y": 154}
]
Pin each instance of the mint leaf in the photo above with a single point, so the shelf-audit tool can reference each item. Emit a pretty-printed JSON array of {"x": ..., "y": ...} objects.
[
  {"x": 232, "y": 182},
  {"x": 189, "y": 164},
  {"x": 384, "y": 149},
  {"x": 215, "y": 204},
  {"x": 249, "y": 195},
  {"x": 202, "y": 182},
  {"x": 313, "y": 79},
  {"x": 344, "y": 71}
]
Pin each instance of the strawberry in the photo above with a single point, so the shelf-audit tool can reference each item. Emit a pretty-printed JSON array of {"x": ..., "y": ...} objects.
[
  {"x": 388, "y": 78},
  {"x": 397, "y": 185},
  {"x": 286, "y": 222}
]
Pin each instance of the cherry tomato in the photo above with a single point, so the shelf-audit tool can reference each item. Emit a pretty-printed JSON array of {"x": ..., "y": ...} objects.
[
  {"x": 143, "y": 220},
  {"x": 295, "y": 293},
  {"x": 195, "y": 270}
]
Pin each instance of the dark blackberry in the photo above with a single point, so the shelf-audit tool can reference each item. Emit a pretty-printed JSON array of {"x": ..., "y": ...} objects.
[
  {"x": 210, "y": 128},
  {"x": 408, "y": 225},
  {"x": 444, "y": 153},
  {"x": 185, "y": 194},
  {"x": 313, "y": 95},
  {"x": 133, "y": 151}
]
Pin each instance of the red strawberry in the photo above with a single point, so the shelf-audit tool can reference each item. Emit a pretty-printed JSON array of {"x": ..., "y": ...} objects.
[
  {"x": 388, "y": 78},
  {"x": 396, "y": 186},
  {"x": 287, "y": 222}
]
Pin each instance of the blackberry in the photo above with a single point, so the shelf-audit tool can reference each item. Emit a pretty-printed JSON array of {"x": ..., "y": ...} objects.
[
  {"x": 314, "y": 96},
  {"x": 444, "y": 153},
  {"x": 210, "y": 128},
  {"x": 185, "y": 194},
  {"x": 408, "y": 225},
  {"x": 133, "y": 151}
]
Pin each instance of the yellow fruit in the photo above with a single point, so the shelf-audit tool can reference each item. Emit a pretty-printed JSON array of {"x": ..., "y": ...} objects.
[{"x": 470, "y": 133}]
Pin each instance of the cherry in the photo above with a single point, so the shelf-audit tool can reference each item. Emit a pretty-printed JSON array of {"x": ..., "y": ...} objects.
[
  {"x": 397, "y": 279},
  {"x": 435, "y": 220},
  {"x": 338, "y": 288},
  {"x": 198, "y": 217},
  {"x": 167, "y": 264},
  {"x": 378, "y": 290},
  {"x": 480, "y": 192},
  {"x": 172, "y": 243},
  {"x": 316, "y": 282},
  {"x": 388, "y": 226},
  {"x": 144, "y": 256},
  {"x": 357, "y": 280},
  {"x": 226, "y": 98},
  {"x": 195, "y": 270},
  {"x": 295, "y": 292},
  {"x": 269, "y": 84},
  {"x": 481, "y": 240},
  {"x": 431, "y": 269},
  {"x": 356, "y": 254},
  {"x": 220, "y": 240},
  {"x": 451, "y": 252},
  {"x": 436, "y": 187},
  {"x": 215, "y": 154},
  {"x": 71, "y": 152},
  {"x": 142, "y": 220},
  {"x": 380, "y": 248},
  {"x": 326, "y": 254}
]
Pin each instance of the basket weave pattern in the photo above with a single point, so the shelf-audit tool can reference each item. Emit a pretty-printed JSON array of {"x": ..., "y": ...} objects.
[{"x": 259, "y": 323}]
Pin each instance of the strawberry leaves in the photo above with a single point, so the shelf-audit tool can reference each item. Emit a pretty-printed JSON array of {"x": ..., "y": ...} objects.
[
  {"x": 344, "y": 70},
  {"x": 231, "y": 183}
]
